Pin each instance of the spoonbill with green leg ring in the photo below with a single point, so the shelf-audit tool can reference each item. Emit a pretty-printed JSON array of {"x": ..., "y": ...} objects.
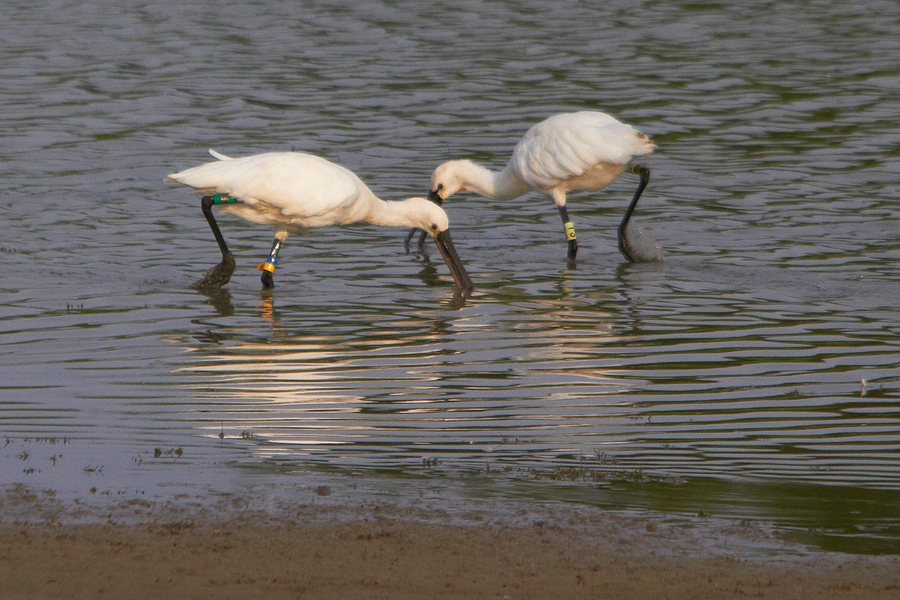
[{"x": 293, "y": 191}]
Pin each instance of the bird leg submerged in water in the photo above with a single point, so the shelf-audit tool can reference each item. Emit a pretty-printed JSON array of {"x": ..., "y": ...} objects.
[
  {"x": 268, "y": 267},
  {"x": 569, "y": 228},
  {"x": 409, "y": 237},
  {"x": 220, "y": 274},
  {"x": 632, "y": 244}
]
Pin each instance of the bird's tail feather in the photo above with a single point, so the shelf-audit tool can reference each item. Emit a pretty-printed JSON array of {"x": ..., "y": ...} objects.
[{"x": 218, "y": 155}]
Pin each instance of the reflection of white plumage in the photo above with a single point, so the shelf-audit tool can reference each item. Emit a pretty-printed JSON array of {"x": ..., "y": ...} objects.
[
  {"x": 294, "y": 191},
  {"x": 569, "y": 152}
]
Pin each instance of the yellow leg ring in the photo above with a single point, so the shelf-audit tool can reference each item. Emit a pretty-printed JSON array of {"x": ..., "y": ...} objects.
[
  {"x": 570, "y": 230},
  {"x": 266, "y": 266}
]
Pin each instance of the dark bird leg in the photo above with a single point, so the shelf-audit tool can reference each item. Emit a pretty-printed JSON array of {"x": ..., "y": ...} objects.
[
  {"x": 409, "y": 237},
  {"x": 624, "y": 247},
  {"x": 268, "y": 267},
  {"x": 569, "y": 228},
  {"x": 220, "y": 274}
]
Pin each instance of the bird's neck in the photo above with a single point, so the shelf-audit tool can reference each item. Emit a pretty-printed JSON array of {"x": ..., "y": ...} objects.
[
  {"x": 389, "y": 213},
  {"x": 497, "y": 185}
]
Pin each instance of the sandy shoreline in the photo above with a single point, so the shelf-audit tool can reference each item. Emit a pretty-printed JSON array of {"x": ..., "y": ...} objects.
[{"x": 390, "y": 552}]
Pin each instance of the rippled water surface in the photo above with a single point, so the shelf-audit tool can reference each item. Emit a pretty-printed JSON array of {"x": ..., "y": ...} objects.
[{"x": 752, "y": 374}]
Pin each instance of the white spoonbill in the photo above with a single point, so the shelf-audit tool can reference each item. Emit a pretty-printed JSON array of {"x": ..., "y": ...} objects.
[
  {"x": 294, "y": 191},
  {"x": 569, "y": 152}
]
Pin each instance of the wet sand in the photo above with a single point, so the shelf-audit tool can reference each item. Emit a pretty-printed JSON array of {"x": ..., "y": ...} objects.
[{"x": 389, "y": 552}]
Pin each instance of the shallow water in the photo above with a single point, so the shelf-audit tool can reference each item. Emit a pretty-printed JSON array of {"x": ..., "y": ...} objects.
[{"x": 753, "y": 374}]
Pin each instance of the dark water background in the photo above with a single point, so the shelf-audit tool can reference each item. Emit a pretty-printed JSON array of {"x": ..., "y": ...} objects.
[{"x": 727, "y": 381}]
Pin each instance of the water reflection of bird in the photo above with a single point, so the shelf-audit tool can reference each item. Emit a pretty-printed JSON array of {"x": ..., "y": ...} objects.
[
  {"x": 569, "y": 152},
  {"x": 293, "y": 191}
]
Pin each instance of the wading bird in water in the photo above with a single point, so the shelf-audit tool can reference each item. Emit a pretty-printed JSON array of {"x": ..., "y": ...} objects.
[
  {"x": 569, "y": 152},
  {"x": 294, "y": 191}
]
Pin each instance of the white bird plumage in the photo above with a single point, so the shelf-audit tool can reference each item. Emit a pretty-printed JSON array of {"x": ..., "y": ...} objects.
[
  {"x": 292, "y": 191},
  {"x": 568, "y": 152}
]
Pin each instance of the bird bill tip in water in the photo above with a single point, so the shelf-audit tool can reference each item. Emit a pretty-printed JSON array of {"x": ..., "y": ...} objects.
[{"x": 445, "y": 244}]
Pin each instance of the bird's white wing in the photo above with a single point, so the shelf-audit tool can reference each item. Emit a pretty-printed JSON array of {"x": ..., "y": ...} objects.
[
  {"x": 299, "y": 185},
  {"x": 567, "y": 145}
]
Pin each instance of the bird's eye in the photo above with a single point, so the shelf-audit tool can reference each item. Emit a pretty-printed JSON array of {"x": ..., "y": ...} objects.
[
  {"x": 440, "y": 186},
  {"x": 434, "y": 227}
]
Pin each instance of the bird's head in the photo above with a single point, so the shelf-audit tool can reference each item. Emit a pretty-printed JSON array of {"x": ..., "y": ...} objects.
[
  {"x": 448, "y": 179},
  {"x": 427, "y": 216}
]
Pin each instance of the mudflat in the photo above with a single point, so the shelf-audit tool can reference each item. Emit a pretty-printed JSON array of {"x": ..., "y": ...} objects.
[{"x": 386, "y": 552}]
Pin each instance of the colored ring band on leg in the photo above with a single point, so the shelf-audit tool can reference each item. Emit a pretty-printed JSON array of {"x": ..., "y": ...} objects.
[
  {"x": 223, "y": 199},
  {"x": 570, "y": 230},
  {"x": 266, "y": 266}
]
